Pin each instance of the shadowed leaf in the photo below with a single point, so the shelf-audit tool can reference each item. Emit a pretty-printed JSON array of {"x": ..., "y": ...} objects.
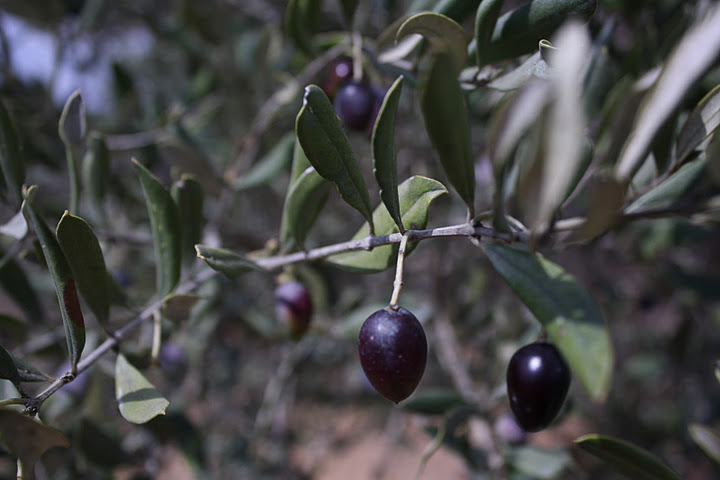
[
  {"x": 137, "y": 398},
  {"x": 227, "y": 262}
]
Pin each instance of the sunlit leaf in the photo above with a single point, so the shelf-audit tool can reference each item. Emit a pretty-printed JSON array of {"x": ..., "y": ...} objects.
[
  {"x": 62, "y": 279},
  {"x": 305, "y": 199},
  {"x": 16, "y": 227},
  {"x": 695, "y": 53},
  {"x": 668, "y": 191},
  {"x": 269, "y": 166},
  {"x": 11, "y": 161},
  {"x": 701, "y": 123},
  {"x": 571, "y": 317},
  {"x": 137, "y": 398},
  {"x": 85, "y": 257},
  {"x": 533, "y": 67},
  {"x": 225, "y": 261},
  {"x": 326, "y": 145},
  {"x": 28, "y": 439},
  {"x": 630, "y": 460},
  {"x": 708, "y": 439},
  {"x": 166, "y": 227},
  {"x": 443, "y": 33},
  {"x": 416, "y": 195},
  {"x": 446, "y": 121},
  {"x": 383, "y": 151},
  {"x": 537, "y": 462}
]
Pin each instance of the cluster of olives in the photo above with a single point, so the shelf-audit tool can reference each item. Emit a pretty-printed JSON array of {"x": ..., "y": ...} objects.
[
  {"x": 356, "y": 102},
  {"x": 393, "y": 352}
]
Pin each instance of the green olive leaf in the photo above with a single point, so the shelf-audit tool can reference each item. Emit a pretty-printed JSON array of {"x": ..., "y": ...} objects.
[
  {"x": 326, "y": 146},
  {"x": 670, "y": 190},
  {"x": 416, "y": 195},
  {"x": 519, "y": 31},
  {"x": 29, "y": 373},
  {"x": 305, "y": 199},
  {"x": 571, "y": 317},
  {"x": 269, "y": 166},
  {"x": 96, "y": 168},
  {"x": 690, "y": 59},
  {"x": 85, "y": 258},
  {"x": 443, "y": 33},
  {"x": 301, "y": 21},
  {"x": 166, "y": 228},
  {"x": 73, "y": 120},
  {"x": 701, "y": 123},
  {"x": 630, "y": 460},
  {"x": 9, "y": 370},
  {"x": 227, "y": 262},
  {"x": 446, "y": 121},
  {"x": 189, "y": 198},
  {"x": 485, "y": 19},
  {"x": 137, "y": 398},
  {"x": 11, "y": 160},
  {"x": 63, "y": 280},
  {"x": 383, "y": 152}
]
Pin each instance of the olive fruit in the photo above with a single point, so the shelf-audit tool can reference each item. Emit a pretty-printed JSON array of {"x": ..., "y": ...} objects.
[
  {"x": 538, "y": 380},
  {"x": 354, "y": 105},
  {"x": 293, "y": 306},
  {"x": 341, "y": 71},
  {"x": 393, "y": 352}
]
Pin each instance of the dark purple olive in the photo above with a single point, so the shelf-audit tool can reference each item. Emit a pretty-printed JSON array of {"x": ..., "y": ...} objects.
[
  {"x": 354, "y": 105},
  {"x": 340, "y": 72},
  {"x": 538, "y": 380},
  {"x": 293, "y": 306},
  {"x": 393, "y": 352}
]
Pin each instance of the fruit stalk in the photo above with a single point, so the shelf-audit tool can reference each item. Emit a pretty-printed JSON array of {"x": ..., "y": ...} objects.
[{"x": 398, "y": 283}]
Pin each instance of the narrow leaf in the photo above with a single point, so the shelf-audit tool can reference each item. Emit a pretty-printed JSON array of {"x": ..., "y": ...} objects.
[
  {"x": 383, "y": 151},
  {"x": 269, "y": 166},
  {"x": 11, "y": 161},
  {"x": 695, "y": 53},
  {"x": 563, "y": 142},
  {"x": 167, "y": 232},
  {"x": 73, "y": 121},
  {"x": 571, "y": 317},
  {"x": 189, "y": 198},
  {"x": 28, "y": 439},
  {"x": 485, "y": 19},
  {"x": 62, "y": 279},
  {"x": 708, "y": 439},
  {"x": 85, "y": 257},
  {"x": 518, "y": 31},
  {"x": 446, "y": 121},
  {"x": 670, "y": 190},
  {"x": 300, "y": 163},
  {"x": 28, "y": 373},
  {"x": 16, "y": 227},
  {"x": 630, "y": 460},
  {"x": 606, "y": 201},
  {"x": 8, "y": 369},
  {"x": 443, "y": 33},
  {"x": 701, "y": 123},
  {"x": 301, "y": 19},
  {"x": 327, "y": 148},
  {"x": 96, "y": 169},
  {"x": 305, "y": 199},
  {"x": 16, "y": 284},
  {"x": 416, "y": 195},
  {"x": 348, "y": 8},
  {"x": 137, "y": 398},
  {"x": 534, "y": 67},
  {"x": 225, "y": 261}
]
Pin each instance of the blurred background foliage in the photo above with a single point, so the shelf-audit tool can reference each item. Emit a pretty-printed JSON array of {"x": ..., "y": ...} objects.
[{"x": 182, "y": 85}]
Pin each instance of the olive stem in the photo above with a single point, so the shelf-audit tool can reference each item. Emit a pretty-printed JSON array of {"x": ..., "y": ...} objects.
[
  {"x": 357, "y": 56},
  {"x": 398, "y": 283},
  {"x": 157, "y": 337}
]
